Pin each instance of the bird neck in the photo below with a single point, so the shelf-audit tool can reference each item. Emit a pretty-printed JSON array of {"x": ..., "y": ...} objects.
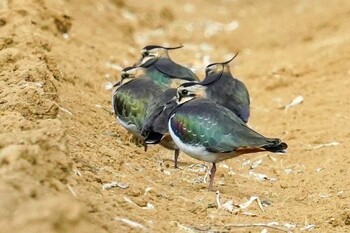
[
  {"x": 226, "y": 69},
  {"x": 158, "y": 77}
]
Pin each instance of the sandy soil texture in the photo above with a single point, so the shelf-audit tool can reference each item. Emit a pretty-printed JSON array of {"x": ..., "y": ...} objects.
[{"x": 60, "y": 143}]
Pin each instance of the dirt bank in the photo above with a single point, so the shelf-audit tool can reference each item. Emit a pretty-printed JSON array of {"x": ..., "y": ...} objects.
[{"x": 59, "y": 142}]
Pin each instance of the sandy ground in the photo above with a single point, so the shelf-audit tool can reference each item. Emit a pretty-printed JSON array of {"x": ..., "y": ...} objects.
[{"x": 59, "y": 142}]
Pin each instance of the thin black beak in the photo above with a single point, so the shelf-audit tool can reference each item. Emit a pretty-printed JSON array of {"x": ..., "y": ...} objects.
[{"x": 117, "y": 84}]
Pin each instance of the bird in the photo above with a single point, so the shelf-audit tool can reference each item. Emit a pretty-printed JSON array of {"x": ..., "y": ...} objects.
[
  {"x": 162, "y": 69},
  {"x": 130, "y": 99},
  {"x": 227, "y": 90},
  {"x": 211, "y": 132},
  {"x": 219, "y": 86}
]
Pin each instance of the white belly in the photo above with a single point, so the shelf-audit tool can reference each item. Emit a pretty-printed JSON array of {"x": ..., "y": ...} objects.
[{"x": 130, "y": 127}]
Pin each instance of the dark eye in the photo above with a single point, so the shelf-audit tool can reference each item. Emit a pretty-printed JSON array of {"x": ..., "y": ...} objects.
[
  {"x": 145, "y": 53},
  {"x": 125, "y": 75},
  {"x": 184, "y": 92},
  {"x": 209, "y": 69}
]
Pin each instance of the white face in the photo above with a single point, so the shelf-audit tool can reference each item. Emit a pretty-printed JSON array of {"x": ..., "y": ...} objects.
[
  {"x": 185, "y": 94},
  {"x": 151, "y": 54},
  {"x": 128, "y": 75}
]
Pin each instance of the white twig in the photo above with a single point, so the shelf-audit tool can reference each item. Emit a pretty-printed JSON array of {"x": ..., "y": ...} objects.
[
  {"x": 298, "y": 100},
  {"x": 104, "y": 108},
  {"x": 130, "y": 223},
  {"x": 66, "y": 111},
  {"x": 187, "y": 228},
  {"x": 230, "y": 206},
  {"x": 249, "y": 214},
  {"x": 77, "y": 172},
  {"x": 246, "y": 162},
  {"x": 218, "y": 202},
  {"x": 113, "y": 185},
  {"x": 147, "y": 190},
  {"x": 308, "y": 227},
  {"x": 256, "y": 164},
  {"x": 260, "y": 176},
  {"x": 198, "y": 168},
  {"x": 250, "y": 201},
  {"x": 149, "y": 206},
  {"x": 71, "y": 190},
  {"x": 326, "y": 145},
  {"x": 206, "y": 176}
]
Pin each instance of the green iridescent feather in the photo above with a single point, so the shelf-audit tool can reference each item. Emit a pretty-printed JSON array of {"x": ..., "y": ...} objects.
[
  {"x": 200, "y": 122},
  {"x": 131, "y": 100},
  {"x": 164, "y": 70}
]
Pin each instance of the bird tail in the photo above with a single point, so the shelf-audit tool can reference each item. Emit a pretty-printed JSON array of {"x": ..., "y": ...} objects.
[
  {"x": 153, "y": 138},
  {"x": 276, "y": 145}
]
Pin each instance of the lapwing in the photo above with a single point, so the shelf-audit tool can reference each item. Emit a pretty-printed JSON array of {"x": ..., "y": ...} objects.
[
  {"x": 211, "y": 132},
  {"x": 227, "y": 90},
  {"x": 131, "y": 97}
]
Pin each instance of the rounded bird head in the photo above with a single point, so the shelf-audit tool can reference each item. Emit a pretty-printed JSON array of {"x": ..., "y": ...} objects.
[
  {"x": 219, "y": 67},
  {"x": 190, "y": 90},
  {"x": 130, "y": 73},
  {"x": 213, "y": 68},
  {"x": 153, "y": 52}
]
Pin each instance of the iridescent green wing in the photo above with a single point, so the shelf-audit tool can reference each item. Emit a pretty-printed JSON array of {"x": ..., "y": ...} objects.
[
  {"x": 130, "y": 101},
  {"x": 207, "y": 124},
  {"x": 159, "y": 78}
]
